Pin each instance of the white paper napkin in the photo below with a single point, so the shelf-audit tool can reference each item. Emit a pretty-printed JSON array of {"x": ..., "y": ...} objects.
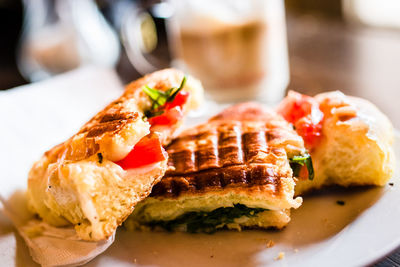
[
  {"x": 48, "y": 245},
  {"x": 33, "y": 119}
]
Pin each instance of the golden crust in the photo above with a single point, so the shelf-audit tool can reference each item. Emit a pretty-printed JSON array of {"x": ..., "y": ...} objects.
[
  {"x": 356, "y": 146},
  {"x": 222, "y": 142},
  {"x": 235, "y": 149},
  {"x": 234, "y": 158},
  {"x": 222, "y": 155},
  {"x": 77, "y": 182},
  {"x": 112, "y": 132},
  {"x": 251, "y": 178}
]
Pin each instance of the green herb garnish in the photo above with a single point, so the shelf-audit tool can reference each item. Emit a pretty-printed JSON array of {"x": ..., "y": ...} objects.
[
  {"x": 160, "y": 98},
  {"x": 298, "y": 161},
  {"x": 208, "y": 222}
]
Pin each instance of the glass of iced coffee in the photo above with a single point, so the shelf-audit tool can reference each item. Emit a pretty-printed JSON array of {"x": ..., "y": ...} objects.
[{"x": 237, "y": 48}]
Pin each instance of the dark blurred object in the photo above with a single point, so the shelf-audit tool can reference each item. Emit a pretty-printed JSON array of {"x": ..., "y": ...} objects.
[
  {"x": 331, "y": 8},
  {"x": 111, "y": 10},
  {"x": 116, "y": 12},
  {"x": 11, "y": 13}
]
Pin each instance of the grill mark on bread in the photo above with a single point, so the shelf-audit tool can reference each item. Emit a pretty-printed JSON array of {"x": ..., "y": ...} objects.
[
  {"x": 230, "y": 146},
  {"x": 110, "y": 123},
  {"x": 118, "y": 117},
  {"x": 206, "y": 155},
  {"x": 220, "y": 144},
  {"x": 227, "y": 154},
  {"x": 254, "y": 144},
  {"x": 91, "y": 147},
  {"x": 236, "y": 176}
]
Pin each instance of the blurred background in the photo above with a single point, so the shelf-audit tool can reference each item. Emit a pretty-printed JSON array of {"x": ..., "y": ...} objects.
[{"x": 348, "y": 45}]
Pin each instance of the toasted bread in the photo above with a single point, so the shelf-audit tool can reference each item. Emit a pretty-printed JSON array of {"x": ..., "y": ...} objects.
[
  {"x": 356, "y": 144},
  {"x": 235, "y": 164},
  {"x": 78, "y": 181}
]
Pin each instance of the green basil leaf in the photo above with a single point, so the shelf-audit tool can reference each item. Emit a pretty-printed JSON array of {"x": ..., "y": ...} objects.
[
  {"x": 310, "y": 169},
  {"x": 172, "y": 96},
  {"x": 160, "y": 98},
  {"x": 298, "y": 161}
]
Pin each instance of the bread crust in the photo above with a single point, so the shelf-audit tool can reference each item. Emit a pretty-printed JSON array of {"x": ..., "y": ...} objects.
[{"x": 78, "y": 183}]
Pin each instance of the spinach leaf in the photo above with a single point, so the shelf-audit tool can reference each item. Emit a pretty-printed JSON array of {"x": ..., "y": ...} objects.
[{"x": 208, "y": 222}]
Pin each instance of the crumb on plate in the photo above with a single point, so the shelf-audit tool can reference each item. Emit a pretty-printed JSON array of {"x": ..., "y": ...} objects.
[
  {"x": 270, "y": 244},
  {"x": 281, "y": 255}
]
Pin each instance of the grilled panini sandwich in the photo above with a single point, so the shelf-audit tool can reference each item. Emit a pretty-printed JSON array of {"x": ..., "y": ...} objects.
[
  {"x": 233, "y": 171},
  {"x": 94, "y": 179},
  {"x": 349, "y": 139}
]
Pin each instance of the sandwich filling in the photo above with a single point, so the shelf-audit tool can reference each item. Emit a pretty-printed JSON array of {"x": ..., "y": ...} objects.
[
  {"x": 208, "y": 222},
  {"x": 305, "y": 114},
  {"x": 166, "y": 110}
]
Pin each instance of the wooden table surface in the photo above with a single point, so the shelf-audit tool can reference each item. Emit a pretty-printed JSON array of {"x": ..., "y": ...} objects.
[
  {"x": 329, "y": 55},
  {"x": 360, "y": 61}
]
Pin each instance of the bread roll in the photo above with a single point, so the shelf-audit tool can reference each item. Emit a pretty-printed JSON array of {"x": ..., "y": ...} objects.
[{"x": 356, "y": 145}]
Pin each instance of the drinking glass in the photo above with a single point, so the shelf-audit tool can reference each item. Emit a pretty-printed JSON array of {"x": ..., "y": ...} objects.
[
  {"x": 238, "y": 49},
  {"x": 60, "y": 35}
]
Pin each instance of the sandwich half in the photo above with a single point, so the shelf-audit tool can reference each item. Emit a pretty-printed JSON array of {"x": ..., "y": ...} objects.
[
  {"x": 349, "y": 139},
  {"x": 232, "y": 172},
  {"x": 94, "y": 179}
]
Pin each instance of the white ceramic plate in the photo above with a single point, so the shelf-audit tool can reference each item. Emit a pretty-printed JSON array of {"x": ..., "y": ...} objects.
[{"x": 321, "y": 233}]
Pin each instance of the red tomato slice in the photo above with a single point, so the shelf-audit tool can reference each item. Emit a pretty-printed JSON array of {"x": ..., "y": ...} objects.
[
  {"x": 169, "y": 117},
  {"x": 147, "y": 151},
  {"x": 296, "y": 106},
  {"x": 303, "y": 175},
  {"x": 172, "y": 111},
  {"x": 309, "y": 131},
  {"x": 180, "y": 99},
  {"x": 305, "y": 114}
]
